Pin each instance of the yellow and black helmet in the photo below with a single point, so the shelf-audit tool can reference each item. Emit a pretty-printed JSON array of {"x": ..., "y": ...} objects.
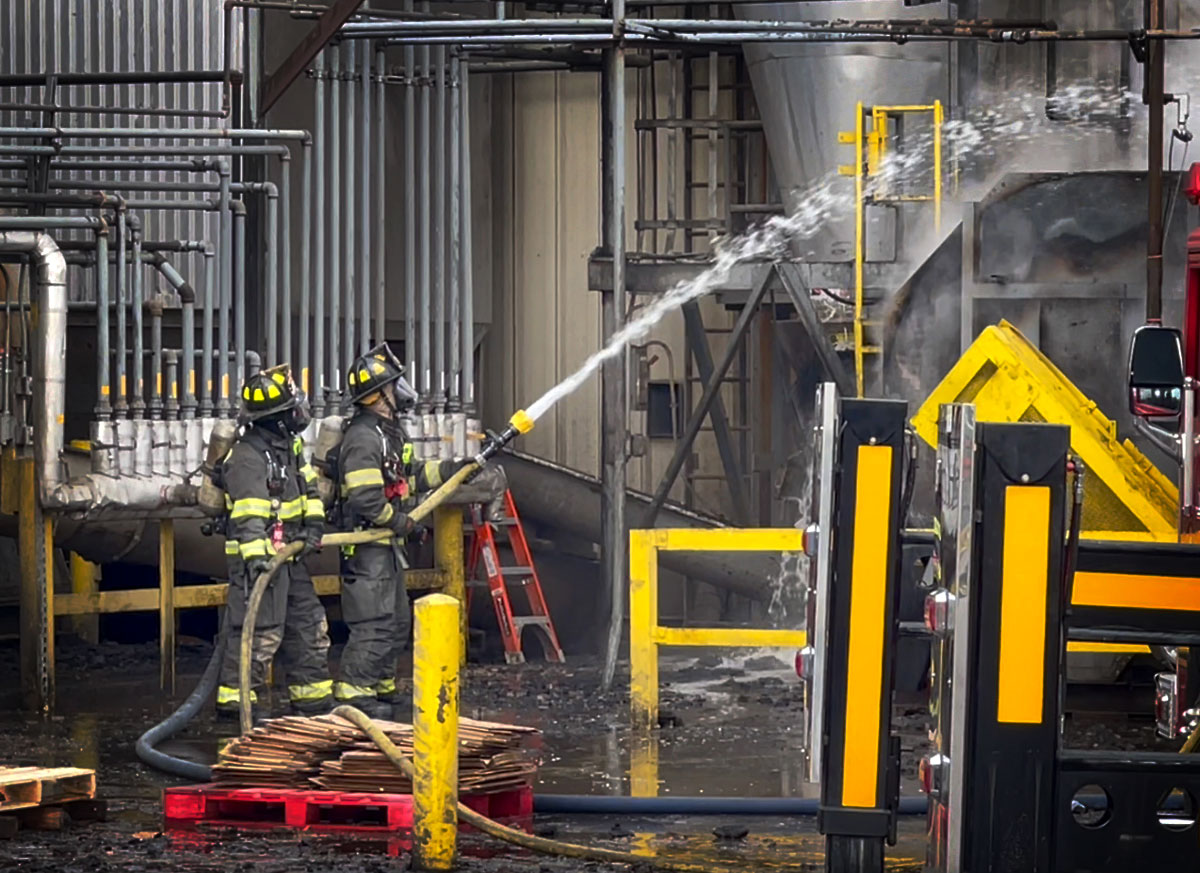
[
  {"x": 269, "y": 392},
  {"x": 374, "y": 371}
]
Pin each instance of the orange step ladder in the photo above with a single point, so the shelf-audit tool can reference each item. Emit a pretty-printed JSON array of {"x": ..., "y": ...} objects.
[{"x": 499, "y": 577}]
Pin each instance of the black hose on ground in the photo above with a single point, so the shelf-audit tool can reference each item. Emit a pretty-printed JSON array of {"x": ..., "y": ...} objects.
[
  {"x": 587, "y": 804},
  {"x": 177, "y": 720}
]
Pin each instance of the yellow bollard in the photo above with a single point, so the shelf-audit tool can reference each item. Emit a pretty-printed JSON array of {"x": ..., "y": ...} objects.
[
  {"x": 448, "y": 559},
  {"x": 436, "y": 647}
]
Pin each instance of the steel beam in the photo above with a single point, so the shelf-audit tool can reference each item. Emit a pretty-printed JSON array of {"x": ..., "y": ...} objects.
[
  {"x": 614, "y": 374},
  {"x": 693, "y": 323},
  {"x": 834, "y": 369},
  {"x": 302, "y": 55},
  {"x": 711, "y": 387}
]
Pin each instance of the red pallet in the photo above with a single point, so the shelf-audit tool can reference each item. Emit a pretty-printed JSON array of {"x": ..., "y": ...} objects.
[{"x": 320, "y": 811}]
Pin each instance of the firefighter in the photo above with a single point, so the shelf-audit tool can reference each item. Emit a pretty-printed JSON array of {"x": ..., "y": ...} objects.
[
  {"x": 272, "y": 499},
  {"x": 377, "y": 478}
]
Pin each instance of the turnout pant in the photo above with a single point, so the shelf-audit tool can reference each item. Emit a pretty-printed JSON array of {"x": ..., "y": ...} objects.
[
  {"x": 290, "y": 618},
  {"x": 375, "y": 607}
]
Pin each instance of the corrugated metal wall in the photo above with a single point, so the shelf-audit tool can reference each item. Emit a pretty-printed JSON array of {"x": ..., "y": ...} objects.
[{"x": 38, "y": 36}]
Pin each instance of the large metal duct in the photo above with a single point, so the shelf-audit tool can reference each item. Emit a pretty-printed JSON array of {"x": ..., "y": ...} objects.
[
  {"x": 49, "y": 348},
  {"x": 807, "y": 93},
  {"x": 570, "y": 501}
]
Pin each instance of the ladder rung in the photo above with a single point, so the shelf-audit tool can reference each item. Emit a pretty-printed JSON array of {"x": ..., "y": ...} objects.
[
  {"x": 526, "y": 572},
  {"x": 521, "y": 621}
]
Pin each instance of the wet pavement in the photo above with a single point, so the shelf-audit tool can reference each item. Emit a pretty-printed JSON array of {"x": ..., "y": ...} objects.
[{"x": 734, "y": 728}]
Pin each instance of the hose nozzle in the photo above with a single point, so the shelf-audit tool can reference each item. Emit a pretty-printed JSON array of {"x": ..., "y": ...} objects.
[{"x": 520, "y": 423}]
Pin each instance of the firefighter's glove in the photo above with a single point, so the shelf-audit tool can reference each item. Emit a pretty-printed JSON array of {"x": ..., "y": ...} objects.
[
  {"x": 312, "y": 540},
  {"x": 255, "y": 567},
  {"x": 419, "y": 534},
  {"x": 401, "y": 524}
]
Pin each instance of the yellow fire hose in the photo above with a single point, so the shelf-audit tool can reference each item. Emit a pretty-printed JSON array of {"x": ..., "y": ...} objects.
[
  {"x": 427, "y": 506},
  {"x": 514, "y": 836}
]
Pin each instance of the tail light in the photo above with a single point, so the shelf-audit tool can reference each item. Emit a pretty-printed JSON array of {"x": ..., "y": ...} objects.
[{"x": 939, "y": 615}]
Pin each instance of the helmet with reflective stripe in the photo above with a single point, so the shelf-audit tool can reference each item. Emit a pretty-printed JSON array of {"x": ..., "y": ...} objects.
[
  {"x": 374, "y": 371},
  {"x": 270, "y": 392}
]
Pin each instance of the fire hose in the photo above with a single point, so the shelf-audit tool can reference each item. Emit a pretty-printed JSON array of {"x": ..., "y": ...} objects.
[
  {"x": 520, "y": 423},
  {"x": 512, "y": 835}
]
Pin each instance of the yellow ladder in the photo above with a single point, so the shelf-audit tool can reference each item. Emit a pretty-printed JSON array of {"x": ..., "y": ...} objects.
[{"x": 870, "y": 186}]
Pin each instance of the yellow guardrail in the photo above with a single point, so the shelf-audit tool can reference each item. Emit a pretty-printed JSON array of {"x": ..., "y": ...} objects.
[
  {"x": 871, "y": 186},
  {"x": 646, "y": 635}
]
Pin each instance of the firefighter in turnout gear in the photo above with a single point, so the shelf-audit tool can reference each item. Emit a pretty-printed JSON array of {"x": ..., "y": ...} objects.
[
  {"x": 272, "y": 500},
  {"x": 377, "y": 478}
]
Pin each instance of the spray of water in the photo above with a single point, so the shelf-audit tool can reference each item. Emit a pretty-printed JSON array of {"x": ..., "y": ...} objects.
[{"x": 1003, "y": 127}]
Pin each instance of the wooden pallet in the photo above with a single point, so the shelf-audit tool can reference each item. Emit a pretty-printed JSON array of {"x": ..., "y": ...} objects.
[
  {"x": 51, "y": 818},
  {"x": 29, "y": 787}
]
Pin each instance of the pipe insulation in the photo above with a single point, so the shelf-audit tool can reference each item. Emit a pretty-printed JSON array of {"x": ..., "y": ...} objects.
[{"x": 49, "y": 347}]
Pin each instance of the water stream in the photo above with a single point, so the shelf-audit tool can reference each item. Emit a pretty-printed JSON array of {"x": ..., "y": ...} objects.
[{"x": 1000, "y": 129}]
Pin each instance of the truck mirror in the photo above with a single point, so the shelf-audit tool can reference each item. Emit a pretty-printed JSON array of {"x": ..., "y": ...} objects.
[{"x": 1155, "y": 372}]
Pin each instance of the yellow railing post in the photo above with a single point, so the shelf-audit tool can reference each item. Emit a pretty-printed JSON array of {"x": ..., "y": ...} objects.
[
  {"x": 83, "y": 583},
  {"x": 166, "y": 605},
  {"x": 643, "y": 620},
  {"x": 448, "y": 559},
  {"x": 859, "y": 246},
  {"x": 435, "y": 731}
]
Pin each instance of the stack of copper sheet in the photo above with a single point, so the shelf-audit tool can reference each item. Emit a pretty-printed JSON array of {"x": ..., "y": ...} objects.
[{"x": 329, "y": 753}]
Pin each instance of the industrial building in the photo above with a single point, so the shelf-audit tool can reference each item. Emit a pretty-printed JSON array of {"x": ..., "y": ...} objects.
[{"x": 680, "y": 241}]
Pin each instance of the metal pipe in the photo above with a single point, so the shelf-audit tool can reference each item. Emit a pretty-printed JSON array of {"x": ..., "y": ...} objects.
[
  {"x": 122, "y": 302},
  {"x": 1155, "y": 72},
  {"x": 438, "y": 253},
  {"x": 225, "y": 275},
  {"x": 364, "y": 203},
  {"x": 284, "y": 269},
  {"x": 134, "y": 77},
  {"x": 155, "y": 305},
  {"x": 239, "y": 292},
  {"x": 206, "y": 331},
  {"x": 304, "y": 359},
  {"x": 468, "y": 279},
  {"x": 49, "y": 343},
  {"x": 410, "y": 216},
  {"x": 184, "y": 133},
  {"x": 335, "y": 226},
  {"x": 171, "y": 407},
  {"x": 103, "y": 410},
  {"x": 423, "y": 221},
  {"x": 50, "y": 222},
  {"x": 167, "y": 151},
  {"x": 614, "y": 374},
  {"x": 317, "y": 243},
  {"x": 380, "y": 281},
  {"x": 271, "y": 259},
  {"x": 138, "y": 403},
  {"x": 107, "y": 110},
  {"x": 455, "y": 264},
  {"x": 348, "y": 190}
]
